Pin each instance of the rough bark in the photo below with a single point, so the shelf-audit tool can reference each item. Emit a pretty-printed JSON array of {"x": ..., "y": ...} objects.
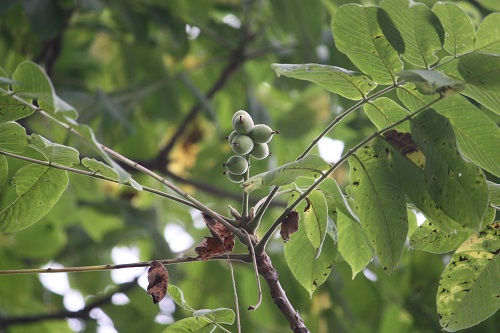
[{"x": 270, "y": 274}]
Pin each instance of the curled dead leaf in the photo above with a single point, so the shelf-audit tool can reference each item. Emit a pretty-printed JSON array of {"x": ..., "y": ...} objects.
[
  {"x": 158, "y": 281},
  {"x": 222, "y": 240},
  {"x": 289, "y": 225}
]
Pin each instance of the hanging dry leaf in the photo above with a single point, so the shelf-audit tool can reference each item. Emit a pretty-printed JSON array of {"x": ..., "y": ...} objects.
[
  {"x": 208, "y": 248},
  {"x": 289, "y": 225},
  {"x": 158, "y": 281},
  {"x": 222, "y": 240}
]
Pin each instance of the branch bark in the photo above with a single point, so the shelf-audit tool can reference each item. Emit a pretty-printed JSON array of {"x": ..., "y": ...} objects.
[
  {"x": 64, "y": 314},
  {"x": 270, "y": 274}
]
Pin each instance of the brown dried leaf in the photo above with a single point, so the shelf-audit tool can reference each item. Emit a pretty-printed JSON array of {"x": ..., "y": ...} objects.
[
  {"x": 209, "y": 248},
  {"x": 222, "y": 240},
  {"x": 289, "y": 225},
  {"x": 158, "y": 281},
  {"x": 219, "y": 232}
]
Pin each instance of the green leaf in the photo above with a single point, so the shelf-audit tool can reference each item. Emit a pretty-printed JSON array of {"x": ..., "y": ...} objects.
[
  {"x": 11, "y": 109},
  {"x": 488, "y": 35},
  {"x": 331, "y": 189},
  {"x": 357, "y": 33},
  {"x": 309, "y": 269},
  {"x": 13, "y": 137},
  {"x": 384, "y": 112},
  {"x": 35, "y": 84},
  {"x": 458, "y": 28},
  {"x": 346, "y": 83},
  {"x": 38, "y": 189},
  {"x": 381, "y": 205},
  {"x": 220, "y": 315},
  {"x": 4, "y": 171},
  {"x": 97, "y": 231},
  {"x": 311, "y": 165},
  {"x": 492, "y": 5},
  {"x": 354, "y": 245},
  {"x": 458, "y": 187},
  {"x": 88, "y": 135},
  {"x": 469, "y": 288},
  {"x": 99, "y": 168},
  {"x": 481, "y": 73},
  {"x": 419, "y": 34},
  {"x": 42, "y": 241},
  {"x": 494, "y": 193},
  {"x": 477, "y": 135},
  {"x": 430, "y": 238},
  {"x": 432, "y": 82},
  {"x": 178, "y": 297},
  {"x": 315, "y": 219},
  {"x": 191, "y": 325},
  {"x": 54, "y": 152}
]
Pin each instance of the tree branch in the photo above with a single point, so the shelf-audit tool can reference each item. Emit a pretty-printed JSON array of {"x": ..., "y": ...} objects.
[
  {"x": 270, "y": 274},
  {"x": 64, "y": 314},
  {"x": 238, "y": 257}
]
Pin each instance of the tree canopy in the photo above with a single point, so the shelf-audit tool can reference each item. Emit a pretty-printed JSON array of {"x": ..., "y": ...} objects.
[{"x": 382, "y": 174}]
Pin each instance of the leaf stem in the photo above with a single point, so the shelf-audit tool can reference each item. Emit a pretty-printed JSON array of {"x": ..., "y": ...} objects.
[{"x": 260, "y": 247}]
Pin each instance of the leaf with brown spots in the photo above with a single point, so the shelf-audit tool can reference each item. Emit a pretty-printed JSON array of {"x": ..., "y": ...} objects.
[
  {"x": 158, "y": 281},
  {"x": 289, "y": 225},
  {"x": 222, "y": 240},
  {"x": 404, "y": 143}
]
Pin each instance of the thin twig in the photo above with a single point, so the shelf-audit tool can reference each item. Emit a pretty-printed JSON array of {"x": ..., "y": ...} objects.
[
  {"x": 259, "y": 289},
  {"x": 200, "y": 206},
  {"x": 237, "y": 257},
  {"x": 83, "y": 313},
  {"x": 236, "y": 302},
  {"x": 98, "y": 176}
]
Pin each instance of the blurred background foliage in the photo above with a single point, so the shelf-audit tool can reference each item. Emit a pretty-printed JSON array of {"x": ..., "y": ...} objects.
[{"x": 158, "y": 81}]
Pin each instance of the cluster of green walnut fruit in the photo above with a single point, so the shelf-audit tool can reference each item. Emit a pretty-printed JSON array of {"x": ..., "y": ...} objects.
[{"x": 246, "y": 140}]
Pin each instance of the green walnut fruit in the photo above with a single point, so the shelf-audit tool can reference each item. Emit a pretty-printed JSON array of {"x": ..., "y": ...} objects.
[
  {"x": 231, "y": 136},
  {"x": 242, "y": 144},
  {"x": 235, "y": 178},
  {"x": 262, "y": 133},
  {"x": 237, "y": 165},
  {"x": 240, "y": 113},
  {"x": 243, "y": 124},
  {"x": 260, "y": 151}
]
